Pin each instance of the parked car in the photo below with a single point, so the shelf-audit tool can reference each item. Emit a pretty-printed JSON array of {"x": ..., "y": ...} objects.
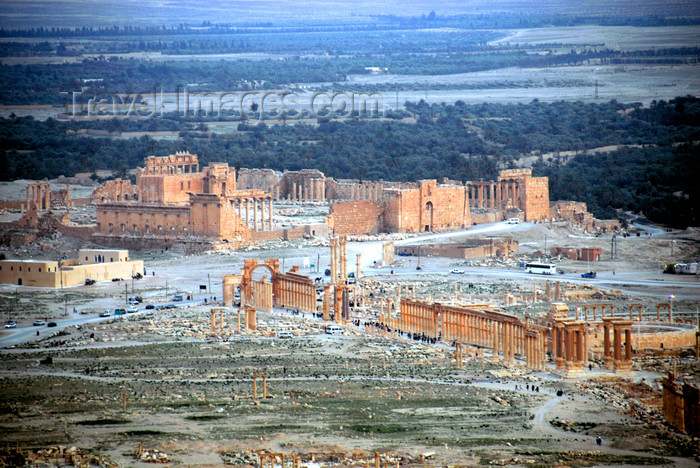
[
  {"x": 119, "y": 311},
  {"x": 10, "y": 325},
  {"x": 39, "y": 323},
  {"x": 150, "y": 307},
  {"x": 285, "y": 335},
  {"x": 106, "y": 313},
  {"x": 513, "y": 221},
  {"x": 178, "y": 298},
  {"x": 132, "y": 309},
  {"x": 588, "y": 274},
  {"x": 134, "y": 301},
  {"x": 456, "y": 271},
  {"x": 89, "y": 282},
  {"x": 51, "y": 324},
  {"x": 160, "y": 307}
]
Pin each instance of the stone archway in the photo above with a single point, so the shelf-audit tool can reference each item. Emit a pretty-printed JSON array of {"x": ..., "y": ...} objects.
[
  {"x": 271, "y": 264},
  {"x": 428, "y": 220}
]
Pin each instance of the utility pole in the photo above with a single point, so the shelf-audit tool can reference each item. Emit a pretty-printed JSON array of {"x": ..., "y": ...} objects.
[{"x": 126, "y": 293}]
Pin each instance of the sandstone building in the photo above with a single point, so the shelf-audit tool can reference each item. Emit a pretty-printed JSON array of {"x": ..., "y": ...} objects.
[
  {"x": 91, "y": 264},
  {"x": 173, "y": 198},
  {"x": 429, "y": 206}
]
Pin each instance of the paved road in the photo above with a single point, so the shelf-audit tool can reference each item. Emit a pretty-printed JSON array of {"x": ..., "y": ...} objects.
[{"x": 26, "y": 333}]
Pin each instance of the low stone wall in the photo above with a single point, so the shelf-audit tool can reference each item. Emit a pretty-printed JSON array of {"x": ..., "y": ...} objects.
[{"x": 356, "y": 217}]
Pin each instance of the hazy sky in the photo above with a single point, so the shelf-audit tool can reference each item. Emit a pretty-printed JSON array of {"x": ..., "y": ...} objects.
[{"x": 100, "y": 13}]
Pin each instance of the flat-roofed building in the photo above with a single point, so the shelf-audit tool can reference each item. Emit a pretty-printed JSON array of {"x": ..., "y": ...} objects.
[{"x": 91, "y": 264}]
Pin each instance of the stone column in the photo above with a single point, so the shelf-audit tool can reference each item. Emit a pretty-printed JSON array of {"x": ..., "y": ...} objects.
[
  {"x": 337, "y": 304},
  {"x": 617, "y": 344},
  {"x": 255, "y": 214},
  {"x": 334, "y": 259},
  {"x": 213, "y": 321},
  {"x": 358, "y": 273},
  {"x": 607, "y": 355},
  {"x": 557, "y": 291},
  {"x": 247, "y": 212},
  {"x": 494, "y": 330},
  {"x": 272, "y": 222},
  {"x": 343, "y": 258}
]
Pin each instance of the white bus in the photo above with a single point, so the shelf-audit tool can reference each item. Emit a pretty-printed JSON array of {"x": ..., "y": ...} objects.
[{"x": 541, "y": 268}]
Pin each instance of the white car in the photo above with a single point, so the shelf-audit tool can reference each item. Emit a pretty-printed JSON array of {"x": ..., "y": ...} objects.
[
  {"x": 132, "y": 309},
  {"x": 10, "y": 325},
  {"x": 513, "y": 221},
  {"x": 106, "y": 313},
  {"x": 457, "y": 271}
]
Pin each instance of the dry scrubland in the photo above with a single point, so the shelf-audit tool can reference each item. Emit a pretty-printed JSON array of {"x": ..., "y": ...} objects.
[
  {"x": 193, "y": 401},
  {"x": 189, "y": 395}
]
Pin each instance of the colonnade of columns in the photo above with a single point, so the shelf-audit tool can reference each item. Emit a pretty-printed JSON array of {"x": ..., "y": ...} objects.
[
  {"x": 618, "y": 354},
  {"x": 310, "y": 190},
  {"x": 189, "y": 164},
  {"x": 632, "y": 308},
  {"x": 262, "y": 295},
  {"x": 595, "y": 307},
  {"x": 503, "y": 333},
  {"x": 295, "y": 291},
  {"x": 259, "y": 218},
  {"x": 39, "y": 196},
  {"x": 535, "y": 349},
  {"x": 367, "y": 190},
  {"x": 493, "y": 194}
]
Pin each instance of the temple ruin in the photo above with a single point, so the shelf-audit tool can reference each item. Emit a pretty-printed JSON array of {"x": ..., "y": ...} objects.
[{"x": 173, "y": 198}]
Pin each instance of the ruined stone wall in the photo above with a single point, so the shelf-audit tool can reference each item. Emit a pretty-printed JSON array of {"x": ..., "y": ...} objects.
[
  {"x": 430, "y": 207},
  {"x": 483, "y": 218},
  {"x": 477, "y": 249},
  {"x": 142, "y": 219},
  {"x": 218, "y": 179},
  {"x": 169, "y": 189},
  {"x": 575, "y": 212},
  {"x": 257, "y": 179},
  {"x": 338, "y": 191},
  {"x": 214, "y": 217},
  {"x": 536, "y": 198},
  {"x": 116, "y": 190},
  {"x": 515, "y": 173},
  {"x": 304, "y": 185},
  {"x": 355, "y": 217},
  {"x": 691, "y": 395},
  {"x": 606, "y": 225}
]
